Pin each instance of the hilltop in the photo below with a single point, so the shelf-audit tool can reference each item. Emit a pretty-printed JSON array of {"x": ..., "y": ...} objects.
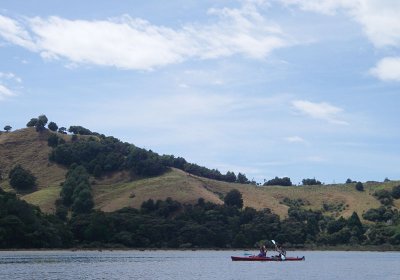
[{"x": 116, "y": 190}]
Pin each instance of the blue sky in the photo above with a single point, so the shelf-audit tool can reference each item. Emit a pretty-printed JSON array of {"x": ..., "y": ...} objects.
[{"x": 293, "y": 88}]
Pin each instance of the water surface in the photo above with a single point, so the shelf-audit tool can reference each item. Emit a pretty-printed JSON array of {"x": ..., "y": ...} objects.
[{"x": 183, "y": 265}]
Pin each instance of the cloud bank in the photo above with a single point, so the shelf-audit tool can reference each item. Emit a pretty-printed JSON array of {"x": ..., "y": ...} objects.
[{"x": 134, "y": 43}]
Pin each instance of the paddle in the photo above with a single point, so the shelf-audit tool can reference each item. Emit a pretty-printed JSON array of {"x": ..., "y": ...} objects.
[{"x": 276, "y": 247}]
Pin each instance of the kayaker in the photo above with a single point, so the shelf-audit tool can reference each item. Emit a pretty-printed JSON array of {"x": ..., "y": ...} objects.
[
  {"x": 263, "y": 251},
  {"x": 280, "y": 250}
]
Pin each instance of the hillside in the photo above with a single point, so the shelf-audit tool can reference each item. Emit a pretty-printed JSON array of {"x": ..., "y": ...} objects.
[{"x": 29, "y": 148}]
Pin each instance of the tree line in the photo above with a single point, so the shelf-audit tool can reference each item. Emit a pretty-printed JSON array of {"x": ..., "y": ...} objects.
[{"x": 170, "y": 224}]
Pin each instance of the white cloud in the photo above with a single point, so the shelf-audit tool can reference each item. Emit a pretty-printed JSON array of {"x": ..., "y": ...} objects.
[
  {"x": 13, "y": 32},
  {"x": 8, "y": 82},
  {"x": 10, "y": 76},
  {"x": 387, "y": 69},
  {"x": 5, "y": 92},
  {"x": 379, "y": 19},
  {"x": 294, "y": 139},
  {"x": 322, "y": 111},
  {"x": 320, "y": 6},
  {"x": 133, "y": 43}
]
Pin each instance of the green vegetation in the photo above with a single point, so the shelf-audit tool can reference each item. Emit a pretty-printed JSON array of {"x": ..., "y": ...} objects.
[
  {"x": 105, "y": 178},
  {"x": 25, "y": 226},
  {"x": 234, "y": 198},
  {"x": 296, "y": 203},
  {"x": 76, "y": 192},
  {"x": 359, "y": 186},
  {"x": 39, "y": 123},
  {"x": 170, "y": 224},
  {"x": 21, "y": 178},
  {"x": 310, "y": 182},
  {"x": 285, "y": 181},
  {"x": 52, "y": 126}
]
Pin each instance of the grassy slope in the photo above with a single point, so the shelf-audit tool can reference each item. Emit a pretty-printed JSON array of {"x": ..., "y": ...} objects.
[{"x": 30, "y": 149}]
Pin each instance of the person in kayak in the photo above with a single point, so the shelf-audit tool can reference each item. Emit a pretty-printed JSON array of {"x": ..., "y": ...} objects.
[
  {"x": 280, "y": 250},
  {"x": 263, "y": 251}
]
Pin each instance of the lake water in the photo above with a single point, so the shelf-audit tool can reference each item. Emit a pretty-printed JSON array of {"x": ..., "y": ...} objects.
[{"x": 182, "y": 265}]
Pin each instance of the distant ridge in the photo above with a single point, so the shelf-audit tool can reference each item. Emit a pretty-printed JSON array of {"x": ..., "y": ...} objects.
[{"x": 115, "y": 191}]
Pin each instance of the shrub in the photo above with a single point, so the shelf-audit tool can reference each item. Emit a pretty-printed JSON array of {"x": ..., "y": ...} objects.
[
  {"x": 359, "y": 187},
  {"x": 234, "y": 198},
  {"x": 21, "y": 178},
  {"x": 396, "y": 192},
  {"x": 285, "y": 181},
  {"x": 384, "y": 196}
]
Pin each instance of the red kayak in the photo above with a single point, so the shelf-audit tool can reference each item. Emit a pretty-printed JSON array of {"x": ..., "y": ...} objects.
[{"x": 267, "y": 259}]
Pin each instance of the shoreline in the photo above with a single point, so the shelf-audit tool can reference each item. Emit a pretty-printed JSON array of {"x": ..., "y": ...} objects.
[{"x": 343, "y": 248}]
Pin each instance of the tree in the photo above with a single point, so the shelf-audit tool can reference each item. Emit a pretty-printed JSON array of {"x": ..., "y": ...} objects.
[
  {"x": 242, "y": 179},
  {"x": 310, "y": 182},
  {"x": 76, "y": 129},
  {"x": 230, "y": 177},
  {"x": 234, "y": 198},
  {"x": 349, "y": 181},
  {"x": 21, "y": 178},
  {"x": 53, "y": 140},
  {"x": 7, "y": 128},
  {"x": 53, "y": 126},
  {"x": 62, "y": 130},
  {"x": 285, "y": 181},
  {"x": 359, "y": 187},
  {"x": 41, "y": 123},
  {"x": 32, "y": 122}
]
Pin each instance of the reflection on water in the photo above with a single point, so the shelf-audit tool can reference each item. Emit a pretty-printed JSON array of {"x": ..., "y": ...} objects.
[{"x": 183, "y": 265}]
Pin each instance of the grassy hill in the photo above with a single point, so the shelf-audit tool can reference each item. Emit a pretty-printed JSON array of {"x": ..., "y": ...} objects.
[{"x": 29, "y": 148}]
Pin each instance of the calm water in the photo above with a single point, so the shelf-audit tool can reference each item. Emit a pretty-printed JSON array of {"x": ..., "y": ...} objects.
[{"x": 182, "y": 265}]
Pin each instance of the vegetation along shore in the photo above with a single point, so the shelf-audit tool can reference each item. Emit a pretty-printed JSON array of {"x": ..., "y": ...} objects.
[{"x": 77, "y": 189}]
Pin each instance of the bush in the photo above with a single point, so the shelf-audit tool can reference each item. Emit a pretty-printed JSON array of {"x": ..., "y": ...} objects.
[
  {"x": 359, "y": 187},
  {"x": 234, "y": 198},
  {"x": 52, "y": 126},
  {"x": 21, "y": 178},
  {"x": 396, "y": 192},
  {"x": 311, "y": 182},
  {"x": 384, "y": 196},
  {"x": 285, "y": 181}
]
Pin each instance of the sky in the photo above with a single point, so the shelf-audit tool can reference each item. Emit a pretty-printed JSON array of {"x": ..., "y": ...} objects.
[{"x": 296, "y": 88}]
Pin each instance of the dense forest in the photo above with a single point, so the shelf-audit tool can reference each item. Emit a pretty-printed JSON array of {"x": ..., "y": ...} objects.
[{"x": 168, "y": 223}]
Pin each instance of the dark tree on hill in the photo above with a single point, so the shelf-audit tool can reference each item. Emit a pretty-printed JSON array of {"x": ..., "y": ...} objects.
[
  {"x": 242, "y": 179},
  {"x": 21, "y": 178},
  {"x": 7, "y": 128},
  {"x": 52, "y": 126},
  {"x": 41, "y": 123},
  {"x": 234, "y": 198},
  {"x": 285, "y": 181},
  {"x": 349, "y": 181},
  {"x": 32, "y": 122},
  {"x": 62, "y": 130},
  {"x": 359, "y": 187},
  {"x": 76, "y": 129},
  {"x": 310, "y": 182},
  {"x": 230, "y": 177}
]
